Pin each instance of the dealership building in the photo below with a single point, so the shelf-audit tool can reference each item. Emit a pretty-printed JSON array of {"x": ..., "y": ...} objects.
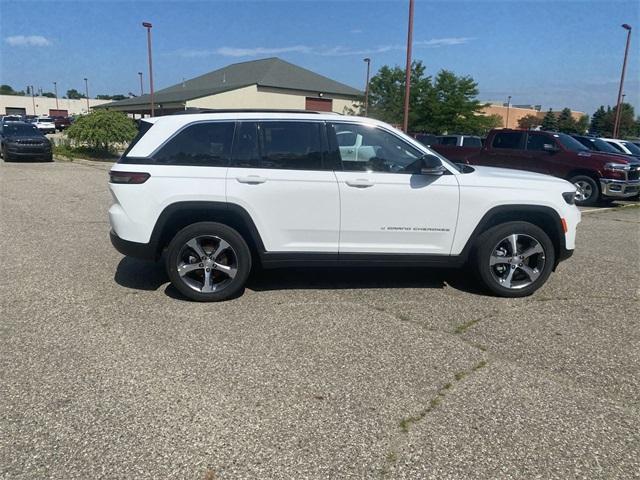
[
  {"x": 269, "y": 83},
  {"x": 43, "y": 106}
]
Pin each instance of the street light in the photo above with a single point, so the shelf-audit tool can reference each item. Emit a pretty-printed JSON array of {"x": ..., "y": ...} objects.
[
  {"x": 55, "y": 91},
  {"x": 141, "y": 87},
  {"x": 616, "y": 124},
  {"x": 86, "y": 89},
  {"x": 407, "y": 89},
  {"x": 33, "y": 99},
  {"x": 148, "y": 26},
  {"x": 366, "y": 88},
  {"x": 506, "y": 125}
]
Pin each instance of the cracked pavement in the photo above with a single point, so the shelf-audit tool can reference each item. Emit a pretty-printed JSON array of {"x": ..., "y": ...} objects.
[{"x": 312, "y": 373}]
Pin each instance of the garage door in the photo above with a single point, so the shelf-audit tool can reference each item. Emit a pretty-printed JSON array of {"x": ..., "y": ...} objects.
[
  {"x": 318, "y": 104},
  {"x": 15, "y": 111}
]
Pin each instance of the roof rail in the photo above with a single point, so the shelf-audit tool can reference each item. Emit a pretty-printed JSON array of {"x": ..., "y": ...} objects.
[{"x": 247, "y": 110}]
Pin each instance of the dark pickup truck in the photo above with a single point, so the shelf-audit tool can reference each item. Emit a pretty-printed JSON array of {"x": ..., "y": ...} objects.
[{"x": 596, "y": 175}]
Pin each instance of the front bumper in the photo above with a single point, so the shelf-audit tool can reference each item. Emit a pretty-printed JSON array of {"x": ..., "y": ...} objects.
[
  {"x": 29, "y": 153},
  {"x": 619, "y": 188}
]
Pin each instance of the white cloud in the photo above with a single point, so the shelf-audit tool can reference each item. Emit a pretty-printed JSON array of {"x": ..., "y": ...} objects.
[
  {"x": 338, "y": 51},
  {"x": 28, "y": 41}
]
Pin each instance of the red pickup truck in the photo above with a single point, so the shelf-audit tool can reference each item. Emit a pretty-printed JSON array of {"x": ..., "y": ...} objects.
[{"x": 597, "y": 176}]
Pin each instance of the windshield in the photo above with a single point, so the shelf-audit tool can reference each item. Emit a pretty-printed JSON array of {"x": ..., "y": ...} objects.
[
  {"x": 570, "y": 143},
  {"x": 631, "y": 147},
  {"x": 19, "y": 130}
]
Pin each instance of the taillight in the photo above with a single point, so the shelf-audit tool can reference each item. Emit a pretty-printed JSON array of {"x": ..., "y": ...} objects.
[{"x": 128, "y": 177}]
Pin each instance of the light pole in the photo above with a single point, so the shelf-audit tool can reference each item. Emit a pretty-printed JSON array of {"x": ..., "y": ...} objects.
[
  {"x": 148, "y": 26},
  {"x": 33, "y": 99},
  {"x": 86, "y": 89},
  {"x": 366, "y": 88},
  {"x": 616, "y": 124},
  {"x": 55, "y": 91},
  {"x": 141, "y": 87},
  {"x": 407, "y": 82},
  {"x": 506, "y": 124}
]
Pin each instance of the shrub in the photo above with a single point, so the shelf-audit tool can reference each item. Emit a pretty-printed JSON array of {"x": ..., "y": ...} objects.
[{"x": 102, "y": 129}]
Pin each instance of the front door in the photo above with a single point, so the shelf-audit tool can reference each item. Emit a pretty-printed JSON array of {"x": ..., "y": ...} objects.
[
  {"x": 386, "y": 206},
  {"x": 538, "y": 158},
  {"x": 280, "y": 176}
]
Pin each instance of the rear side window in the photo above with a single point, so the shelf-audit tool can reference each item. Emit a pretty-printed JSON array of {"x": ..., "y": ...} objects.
[
  {"x": 143, "y": 127},
  {"x": 200, "y": 144},
  {"x": 471, "y": 142},
  {"x": 279, "y": 145},
  {"x": 448, "y": 141},
  {"x": 511, "y": 140}
]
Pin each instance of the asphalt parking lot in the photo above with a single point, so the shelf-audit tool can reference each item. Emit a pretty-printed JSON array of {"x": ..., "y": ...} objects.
[{"x": 108, "y": 373}]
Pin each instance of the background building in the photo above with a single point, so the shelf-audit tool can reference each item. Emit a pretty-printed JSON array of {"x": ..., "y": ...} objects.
[
  {"x": 266, "y": 83},
  {"x": 42, "y": 106},
  {"x": 516, "y": 112}
]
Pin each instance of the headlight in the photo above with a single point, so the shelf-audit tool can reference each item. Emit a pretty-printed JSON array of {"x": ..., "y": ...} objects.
[
  {"x": 617, "y": 167},
  {"x": 569, "y": 197}
]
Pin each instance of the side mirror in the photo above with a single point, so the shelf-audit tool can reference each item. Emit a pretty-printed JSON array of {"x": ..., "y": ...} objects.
[
  {"x": 550, "y": 147},
  {"x": 431, "y": 165}
]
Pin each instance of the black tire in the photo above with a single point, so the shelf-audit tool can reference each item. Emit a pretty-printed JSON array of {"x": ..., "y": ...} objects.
[
  {"x": 594, "y": 189},
  {"x": 237, "y": 256},
  {"x": 540, "y": 264},
  {"x": 5, "y": 154}
]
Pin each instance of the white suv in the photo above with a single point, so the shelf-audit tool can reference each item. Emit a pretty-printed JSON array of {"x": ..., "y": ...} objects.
[{"x": 219, "y": 192}]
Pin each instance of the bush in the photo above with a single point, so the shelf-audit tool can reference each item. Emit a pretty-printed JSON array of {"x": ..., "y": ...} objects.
[{"x": 101, "y": 129}]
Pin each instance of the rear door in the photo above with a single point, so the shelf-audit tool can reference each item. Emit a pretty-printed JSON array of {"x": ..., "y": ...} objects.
[
  {"x": 506, "y": 150},
  {"x": 281, "y": 175},
  {"x": 387, "y": 206}
]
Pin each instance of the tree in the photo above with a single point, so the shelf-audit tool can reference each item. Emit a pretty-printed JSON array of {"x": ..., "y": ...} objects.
[
  {"x": 111, "y": 97},
  {"x": 74, "y": 94},
  {"x": 8, "y": 90},
  {"x": 566, "y": 123},
  {"x": 550, "y": 121},
  {"x": 48, "y": 94},
  {"x": 582, "y": 125},
  {"x": 101, "y": 129},
  {"x": 597, "y": 121},
  {"x": 529, "y": 122},
  {"x": 445, "y": 104}
]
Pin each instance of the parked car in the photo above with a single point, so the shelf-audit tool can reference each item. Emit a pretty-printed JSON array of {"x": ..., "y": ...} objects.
[
  {"x": 10, "y": 118},
  {"x": 624, "y": 146},
  {"x": 460, "y": 141},
  {"x": 220, "y": 192},
  {"x": 61, "y": 123},
  {"x": 596, "y": 175},
  {"x": 45, "y": 125},
  {"x": 21, "y": 141}
]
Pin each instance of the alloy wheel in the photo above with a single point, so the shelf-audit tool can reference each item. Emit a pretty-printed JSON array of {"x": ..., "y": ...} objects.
[
  {"x": 517, "y": 261},
  {"x": 584, "y": 191},
  {"x": 207, "y": 263}
]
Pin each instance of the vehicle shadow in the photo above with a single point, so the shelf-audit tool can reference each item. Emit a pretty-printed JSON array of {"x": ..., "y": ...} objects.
[{"x": 149, "y": 276}]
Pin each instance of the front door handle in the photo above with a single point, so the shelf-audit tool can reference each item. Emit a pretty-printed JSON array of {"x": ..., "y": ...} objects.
[
  {"x": 251, "y": 179},
  {"x": 359, "y": 183}
]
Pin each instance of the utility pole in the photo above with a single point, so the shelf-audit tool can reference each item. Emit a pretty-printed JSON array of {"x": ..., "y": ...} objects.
[
  {"x": 366, "y": 88},
  {"x": 86, "y": 89},
  {"x": 506, "y": 125},
  {"x": 55, "y": 91},
  {"x": 148, "y": 26},
  {"x": 407, "y": 89},
  {"x": 616, "y": 124},
  {"x": 141, "y": 87},
  {"x": 33, "y": 99}
]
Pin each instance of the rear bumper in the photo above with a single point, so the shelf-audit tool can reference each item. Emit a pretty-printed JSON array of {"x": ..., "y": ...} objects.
[
  {"x": 619, "y": 188},
  {"x": 143, "y": 251}
]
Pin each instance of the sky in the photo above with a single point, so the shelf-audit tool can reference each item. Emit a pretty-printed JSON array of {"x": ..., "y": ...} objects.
[{"x": 560, "y": 53}]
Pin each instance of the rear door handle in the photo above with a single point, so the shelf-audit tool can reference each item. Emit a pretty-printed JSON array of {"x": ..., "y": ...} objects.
[
  {"x": 359, "y": 183},
  {"x": 251, "y": 179}
]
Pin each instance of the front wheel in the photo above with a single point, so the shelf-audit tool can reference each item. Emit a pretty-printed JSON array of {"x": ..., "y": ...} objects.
[
  {"x": 514, "y": 259},
  {"x": 588, "y": 191},
  {"x": 208, "y": 262}
]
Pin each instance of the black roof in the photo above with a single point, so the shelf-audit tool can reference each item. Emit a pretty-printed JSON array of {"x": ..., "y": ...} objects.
[{"x": 268, "y": 72}]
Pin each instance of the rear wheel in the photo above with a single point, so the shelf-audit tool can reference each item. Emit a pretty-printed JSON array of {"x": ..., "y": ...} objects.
[
  {"x": 514, "y": 259},
  {"x": 208, "y": 262},
  {"x": 588, "y": 190}
]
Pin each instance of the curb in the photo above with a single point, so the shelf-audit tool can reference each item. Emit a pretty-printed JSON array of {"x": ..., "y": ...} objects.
[{"x": 619, "y": 207}]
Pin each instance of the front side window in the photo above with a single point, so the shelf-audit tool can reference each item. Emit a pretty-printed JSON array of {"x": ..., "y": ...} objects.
[
  {"x": 200, "y": 144},
  {"x": 453, "y": 141},
  {"x": 512, "y": 140},
  {"x": 375, "y": 150},
  {"x": 537, "y": 141}
]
